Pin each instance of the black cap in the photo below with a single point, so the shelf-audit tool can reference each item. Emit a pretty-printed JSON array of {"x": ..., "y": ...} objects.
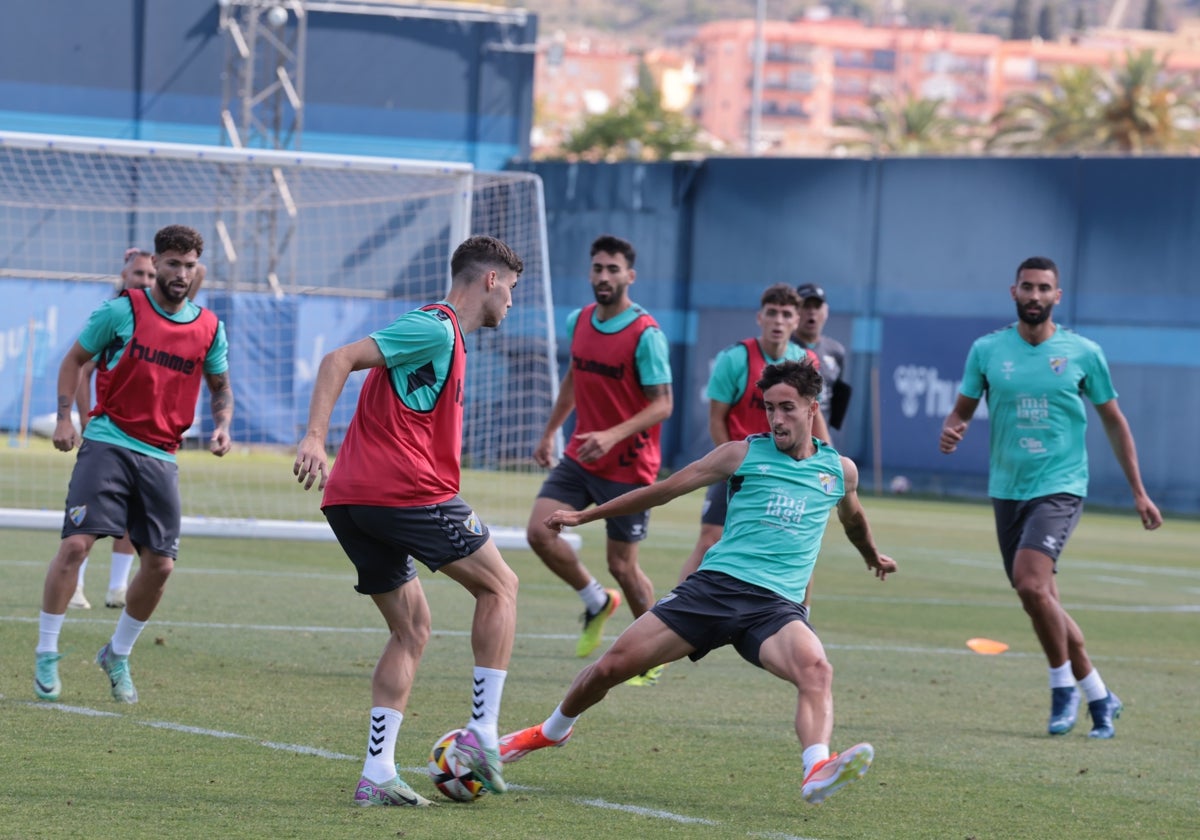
[{"x": 811, "y": 290}]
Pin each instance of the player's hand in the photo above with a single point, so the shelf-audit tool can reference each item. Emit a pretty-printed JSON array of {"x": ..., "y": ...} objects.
[
  {"x": 562, "y": 518},
  {"x": 593, "y": 446},
  {"x": 311, "y": 463},
  {"x": 543, "y": 453},
  {"x": 1148, "y": 511},
  {"x": 220, "y": 442},
  {"x": 65, "y": 436},
  {"x": 952, "y": 436},
  {"x": 883, "y": 567}
]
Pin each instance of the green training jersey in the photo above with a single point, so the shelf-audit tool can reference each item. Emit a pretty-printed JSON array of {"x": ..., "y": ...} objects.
[
  {"x": 1035, "y": 408},
  {"x": 778, "y": 510},
  {"x": 728, "y": 380},
  {"x": 417, "y": 348}
]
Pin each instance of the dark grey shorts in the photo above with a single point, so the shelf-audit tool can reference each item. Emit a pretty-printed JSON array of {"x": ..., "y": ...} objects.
[
  {"x": 712, "y": 609},
  {"x": 114, "y": 490},
  {"x": 381, "y": 542},
  {"x": 1043, "y": 524},
  {"x": 572, "y": 485},
  {"x": 716, "y": 504}
]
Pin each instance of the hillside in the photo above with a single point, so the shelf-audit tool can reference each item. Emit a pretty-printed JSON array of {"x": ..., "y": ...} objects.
[{"x": 656, "y": 19}]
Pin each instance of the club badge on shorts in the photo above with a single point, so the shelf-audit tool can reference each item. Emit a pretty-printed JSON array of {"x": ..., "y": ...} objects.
[
  {"x": 77, "y": 514},
  {"x": 472, "y": 524}
]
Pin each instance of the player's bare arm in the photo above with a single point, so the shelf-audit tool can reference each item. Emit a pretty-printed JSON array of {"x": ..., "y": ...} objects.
[
  {"x": 716, "y": 466},
  {"x": 854, "y": 523},
  {"x": 564, "y": 404},
  {"x": 955, "y": 426},
  {"x": 718, "y": 421},
  {"x": 221, "y": 406},
  {"x": 83, "y": 393},
  {"x": 65, "y": 436},
  {"x": 1120, "y": 438},
  {"x": 336, "y": 367},
  {"x": 594, "y": 445}
]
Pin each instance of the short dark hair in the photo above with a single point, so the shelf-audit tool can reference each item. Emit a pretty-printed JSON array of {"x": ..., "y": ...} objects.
[
  {"x": 178, "y": 238},
  {"x": 610, "y": 244},
  {"x": 1038, "y": 264},
  {"x": 483, "y": 253},
  {"x": 781, "y": 294},
  {"x": 800, "y": 375}
]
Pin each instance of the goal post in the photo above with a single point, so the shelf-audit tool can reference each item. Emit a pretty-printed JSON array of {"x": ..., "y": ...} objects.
[{"x": 305, "y": 252}]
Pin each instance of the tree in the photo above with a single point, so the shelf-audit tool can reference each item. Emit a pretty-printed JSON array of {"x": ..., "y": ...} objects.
[
  {"x": 1048, "y": 22},
  {"x": 1022, "y": 21},
  {"x": 639, "y": 128},
  {"x": 1145, "y": 112},
  {"x": 1135, "y": 111},
  {"x": 909, "y": 126},
  {"x": 1057, "y": 118},
  {"x": 1154, "y": 18}
]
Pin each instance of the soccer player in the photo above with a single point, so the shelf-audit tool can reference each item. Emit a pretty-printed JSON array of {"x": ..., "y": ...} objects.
[
  {"x": 125, "y": 476},
  {"x": 748, "y": 590},
  {"x": 735, "y": 406},
  {"x": 619, "y": 386},
  {"x": 1035, "y": 375},
  {"x": 137, "y": 273},
  {"x": 393, "y": 496}
]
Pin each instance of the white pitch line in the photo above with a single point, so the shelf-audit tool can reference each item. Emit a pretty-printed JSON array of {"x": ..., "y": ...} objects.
[{"x": 321, "y": 753}]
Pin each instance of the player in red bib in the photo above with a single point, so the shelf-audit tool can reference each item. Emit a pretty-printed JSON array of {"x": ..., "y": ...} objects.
[
  {"x": 392, "y": 496},
  {"x": 619, "y": 386},
  {"x": 125, "y": 477}
]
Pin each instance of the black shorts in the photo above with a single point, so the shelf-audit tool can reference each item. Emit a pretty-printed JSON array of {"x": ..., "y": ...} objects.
[
  {"x": 572, "y": 485},
  {"x": 382, "y": 541},
  {"x": 712, "y": 609},
  {"x": 1043, "y": 524},
  {"x": 716, "y": 504},
  {"x": 114, "y": 490}
]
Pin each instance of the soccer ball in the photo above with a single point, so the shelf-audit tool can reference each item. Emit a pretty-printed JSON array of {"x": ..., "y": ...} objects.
[
  {"x": 454, "y": 780},
  {"x": 901, "y": 485}
]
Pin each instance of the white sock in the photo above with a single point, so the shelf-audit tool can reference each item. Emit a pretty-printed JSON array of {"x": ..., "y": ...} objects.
[
  {"x": 126, "y": 634},
  {"x": 118, "y": 575},
  {"x": 558, "y": 725},
  {"x": 814, "y": 755},
  {"x": 82, "y": 569},
  {"x": 486, "y": 690},
  {"x": 380, "y": 765},
  {"x": 593, "y": 596},
  {"x": 49, "y": 626},
  {"x": 1061, "y": 677},
  {"x": 1093, "y": 687}
]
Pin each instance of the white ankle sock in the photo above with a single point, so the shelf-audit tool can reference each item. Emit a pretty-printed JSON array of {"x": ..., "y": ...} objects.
[
  {"x": 1093, "y": 687},
  {"x": 1061, "y": 677},
  {"x": 118, "y": 575},
  {"x": 126, "y": 634},
  {"x": 814, "y": 755},
  {"x": 593, "y": 596},
  {"x": 487, "y": 688},
  {"x": 558, "y": 725},
  {"x": 380, "y": 765},
  {"x": 49, "y": 626}
]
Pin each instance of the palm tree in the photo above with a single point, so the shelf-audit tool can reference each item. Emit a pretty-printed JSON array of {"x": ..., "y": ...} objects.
[
  {"x": 908, "y": 126},
  {"x": 1062, "y": 117},
  {"x": 1146, "y": 112},
  {"x": 1136, "y": 110}
]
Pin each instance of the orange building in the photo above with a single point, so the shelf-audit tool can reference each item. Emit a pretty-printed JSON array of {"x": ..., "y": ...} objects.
[{"x": 819, "y": 72}]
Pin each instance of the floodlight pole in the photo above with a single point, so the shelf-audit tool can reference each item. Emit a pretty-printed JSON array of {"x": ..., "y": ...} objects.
[{"x": 262, "y": 107}]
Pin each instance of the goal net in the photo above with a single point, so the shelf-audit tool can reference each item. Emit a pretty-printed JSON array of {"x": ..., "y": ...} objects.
[{"x": 304, "y": 252}]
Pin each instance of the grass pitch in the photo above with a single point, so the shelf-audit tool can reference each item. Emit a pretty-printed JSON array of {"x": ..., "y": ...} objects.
[{"x": 254, "y": 682}]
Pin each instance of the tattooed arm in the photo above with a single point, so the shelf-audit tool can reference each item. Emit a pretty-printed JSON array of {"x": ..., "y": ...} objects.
[{"x": 222, "y": 411}]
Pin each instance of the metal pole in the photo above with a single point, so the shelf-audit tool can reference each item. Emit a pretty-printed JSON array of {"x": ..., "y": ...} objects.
[{"x": 756, "y": 87}]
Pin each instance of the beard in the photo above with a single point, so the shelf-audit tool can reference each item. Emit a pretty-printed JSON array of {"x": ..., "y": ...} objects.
[{"x": 1033, "y": 319}]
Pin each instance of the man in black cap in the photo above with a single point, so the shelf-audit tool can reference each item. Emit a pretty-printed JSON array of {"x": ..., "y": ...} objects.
[{"x": 835, "y": 393}]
